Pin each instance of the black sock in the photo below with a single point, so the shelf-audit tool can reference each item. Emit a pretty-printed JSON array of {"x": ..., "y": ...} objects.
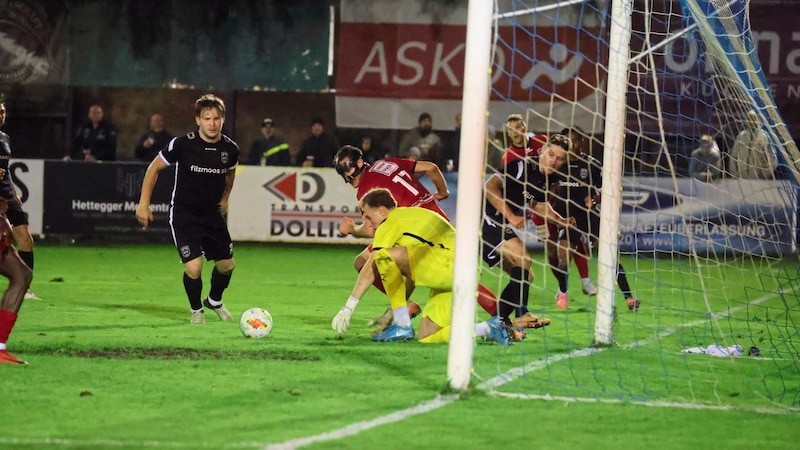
[
  {"x": 524, "y": 289},
  {"x": 27, "y": 257},
  {"x": 561, "y": 276},
  {"x": 219, "y": 282},
  {"x": 194, "y": 288},
  {"x": 515, "y": 294},
  {"x": 622, "y": 280}
]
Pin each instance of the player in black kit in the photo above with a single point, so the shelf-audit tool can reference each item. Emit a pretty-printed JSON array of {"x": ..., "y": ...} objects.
[
  {"x": 578, "y": 195},
  {"x": 205, "y": 162},
  {"x": 18, "y": 218},
  {"x": 523, "y": 185}
]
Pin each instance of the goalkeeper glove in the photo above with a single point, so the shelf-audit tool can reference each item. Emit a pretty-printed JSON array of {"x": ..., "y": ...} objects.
[{"x": 341, "y": 322}]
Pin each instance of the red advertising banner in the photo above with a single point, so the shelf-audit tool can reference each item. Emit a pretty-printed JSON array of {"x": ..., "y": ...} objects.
[{"x": 394, "y": 63}]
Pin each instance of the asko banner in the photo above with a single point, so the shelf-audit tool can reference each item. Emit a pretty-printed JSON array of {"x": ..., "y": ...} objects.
[{"x": 398, "y": 59}]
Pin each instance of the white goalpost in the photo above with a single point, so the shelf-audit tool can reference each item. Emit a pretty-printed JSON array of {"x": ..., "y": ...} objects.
[
  {"x": 471, "y": 170},
  {"x": 698, "y": 210}
]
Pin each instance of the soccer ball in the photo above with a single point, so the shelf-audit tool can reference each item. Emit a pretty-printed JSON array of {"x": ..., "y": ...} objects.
[{"x": 256, "y": 323}]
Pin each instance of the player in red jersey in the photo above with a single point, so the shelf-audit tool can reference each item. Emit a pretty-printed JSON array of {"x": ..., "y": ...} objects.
[
  {"x": 522, "y": 145},
  {"x": 399, "y": 176}
]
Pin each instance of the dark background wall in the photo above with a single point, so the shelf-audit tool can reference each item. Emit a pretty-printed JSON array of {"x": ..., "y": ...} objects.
[{"x": 266, "y": 58}]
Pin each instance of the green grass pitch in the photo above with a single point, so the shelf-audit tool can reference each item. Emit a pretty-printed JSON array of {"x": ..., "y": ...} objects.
[{"x": 114, "y": 363}]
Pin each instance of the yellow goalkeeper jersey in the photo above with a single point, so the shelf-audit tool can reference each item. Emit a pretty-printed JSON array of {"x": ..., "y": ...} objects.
[{"x": 412, "y": 226}]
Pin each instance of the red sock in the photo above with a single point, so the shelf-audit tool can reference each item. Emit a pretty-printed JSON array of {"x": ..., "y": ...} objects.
[
  {"x": 582, "y": 264},
  {"x": 7, "y": 320},
  {"x": 487, "y": 299}
]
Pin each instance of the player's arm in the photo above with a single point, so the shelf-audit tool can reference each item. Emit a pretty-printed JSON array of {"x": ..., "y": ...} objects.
[
  {"x": 435, "y": 174},
  {"x": 143, "y": 213},
  {"x": 494, "y": 194},
  {"x": 229, "y": 177},
  {"x": 550, "y": 215},
  {"x": 362, "y": 230},
  {"x": 366, "y": 276}
]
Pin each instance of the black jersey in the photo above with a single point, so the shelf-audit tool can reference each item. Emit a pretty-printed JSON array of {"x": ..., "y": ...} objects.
[
  {"x": 6, "y": 186},
  {"x": 581, "y": 178},
  {"x": 523, "y": 186},
  {"x": 200, "y": 171}
]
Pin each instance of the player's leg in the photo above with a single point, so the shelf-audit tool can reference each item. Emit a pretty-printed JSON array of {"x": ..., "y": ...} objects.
[
  {"x": 435, "y": 325},
  {"x": 23, "y": 240},
  {"x": 187, "y": 237},
  {"x": 487, "y": 299},
  {"x": 434, "y": 328},
  {"x": 19, "y": 278},
  {"x": 380, "y": 321},
  {"x": 622, "y": 280},
  {"x": 516, "y": 262},
  {"x": 581, "y": 259},
  {"x": 193, "y": 285},
  {"x": 581, "y": 255},
  {"x": 389, "y": 270},
  {"x": 558, "y": 260},
  {"x": 218, "y": 247},
  {"x": 392, "y": 266}
]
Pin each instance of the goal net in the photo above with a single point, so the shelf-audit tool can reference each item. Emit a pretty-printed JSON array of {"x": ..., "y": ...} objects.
[{"x": 698, "y": 207}]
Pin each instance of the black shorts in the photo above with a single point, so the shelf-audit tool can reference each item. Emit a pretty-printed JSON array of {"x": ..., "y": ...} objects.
[
  {"x": 16, "y": 215},
  {"x": 492, "y": 237},
  {"x": 205, "y": 235}
]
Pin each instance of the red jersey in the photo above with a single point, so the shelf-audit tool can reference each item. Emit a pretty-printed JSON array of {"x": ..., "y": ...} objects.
[
  {"x": 397, "y": 175},
  {"x": 534, "y": 146}
]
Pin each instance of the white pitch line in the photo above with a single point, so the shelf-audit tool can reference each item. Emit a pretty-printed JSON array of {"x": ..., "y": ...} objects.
[
  {"x": 500, "y": 380},
  {"x": 358, "y": 427},
  {"x": 426, "y": 406}
]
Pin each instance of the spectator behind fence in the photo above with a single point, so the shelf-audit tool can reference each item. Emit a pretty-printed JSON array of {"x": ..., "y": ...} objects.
[
  {"x": 319, "y": 149},
  {"x": 95, "y": 140},
  {"x": 453, "y": 149},
  {"x": 421, "y": 143},
  {"x": 752, "y": 155},
  {"x": 371, "y": 151},
  {"x": 706, "y": 161},
  {"x": 154, "y": 140},
  {"x": 269, "y": 149}
]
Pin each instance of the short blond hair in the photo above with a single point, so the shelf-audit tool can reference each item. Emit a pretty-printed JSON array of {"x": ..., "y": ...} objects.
[{"x": 209, "y": 101}]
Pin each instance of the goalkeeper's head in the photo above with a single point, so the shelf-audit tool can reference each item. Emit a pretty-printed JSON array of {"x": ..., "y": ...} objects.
[{"x": 349, "y": 163}]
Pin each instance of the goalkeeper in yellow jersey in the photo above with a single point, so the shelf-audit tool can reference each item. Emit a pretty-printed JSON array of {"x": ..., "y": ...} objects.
[{"x": 415, "y": 246}]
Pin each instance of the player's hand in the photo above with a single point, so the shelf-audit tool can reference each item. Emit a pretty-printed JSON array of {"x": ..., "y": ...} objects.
[
  {"x": 381, "y": 322},
  {"x": 569, "y": 222},
  {"x": 517, "y": 221},
  {"x": 346, "y": 226},
  {"x": 341, "y": 322},
  {"x": 441, "y": 195},
  {"x": 144, "y": 215}
]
